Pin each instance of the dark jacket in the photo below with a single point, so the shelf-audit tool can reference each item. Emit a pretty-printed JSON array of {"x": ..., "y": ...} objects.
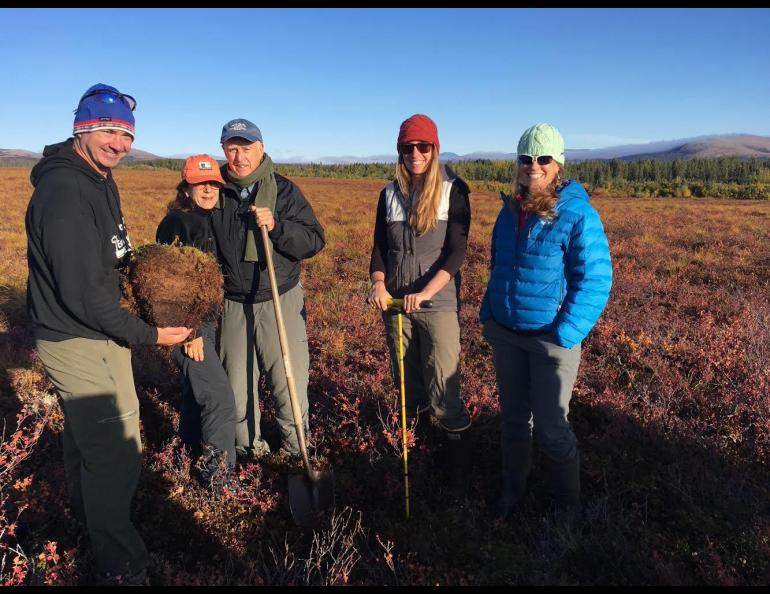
[
  {"x": 190, "y": 228},
  {"x": 297, "y": 235},
  {"x": 76, "y": 241}
]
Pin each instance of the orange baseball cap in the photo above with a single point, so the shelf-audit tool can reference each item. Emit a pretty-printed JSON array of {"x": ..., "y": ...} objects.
[{"x": 201, "y": 168}]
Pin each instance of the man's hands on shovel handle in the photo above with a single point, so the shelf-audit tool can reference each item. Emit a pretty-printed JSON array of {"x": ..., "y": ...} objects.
[{"x": 264, "y": 217}]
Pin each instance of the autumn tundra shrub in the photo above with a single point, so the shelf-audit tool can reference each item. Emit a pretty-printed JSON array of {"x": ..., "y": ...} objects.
[{"x": 670, "y": 408}]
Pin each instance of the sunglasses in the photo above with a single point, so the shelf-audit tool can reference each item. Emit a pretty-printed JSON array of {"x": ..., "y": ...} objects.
[
  {"x": 407, "y": 149},
  {"x": 106, "y": 96},
  {"x": 529, "y": 159}
]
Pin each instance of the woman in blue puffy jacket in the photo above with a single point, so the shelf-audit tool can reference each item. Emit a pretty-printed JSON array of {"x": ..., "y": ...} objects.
[{"x": 550, "y": 280}]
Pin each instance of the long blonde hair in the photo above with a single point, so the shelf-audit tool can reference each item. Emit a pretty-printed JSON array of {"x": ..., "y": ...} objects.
[
  {"x": 427, "y": 190},
  {"x": 541, "y": 202}
]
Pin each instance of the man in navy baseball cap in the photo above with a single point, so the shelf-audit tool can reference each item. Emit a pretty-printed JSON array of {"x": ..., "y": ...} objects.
[
  {"x": 240, "y": 128},
  {"x": 255, "y": 196}
]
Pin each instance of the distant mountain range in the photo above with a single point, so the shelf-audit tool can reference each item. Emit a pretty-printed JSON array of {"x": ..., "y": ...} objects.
[
  {"x": 22, "y": 158},
  {"x": 699, "y": 147}
]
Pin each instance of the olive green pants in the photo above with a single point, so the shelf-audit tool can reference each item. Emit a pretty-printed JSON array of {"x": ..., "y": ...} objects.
[
  {"x": 102, "y": 446},
  {"x": 431, "y": 365}
]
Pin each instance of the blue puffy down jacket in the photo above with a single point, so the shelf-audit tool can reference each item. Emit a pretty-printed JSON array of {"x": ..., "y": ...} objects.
[{"x": 553, "y": 276}]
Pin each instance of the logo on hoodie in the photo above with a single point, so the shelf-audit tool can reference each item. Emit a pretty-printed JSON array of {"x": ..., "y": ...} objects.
[{"x": 121, "y": 242}]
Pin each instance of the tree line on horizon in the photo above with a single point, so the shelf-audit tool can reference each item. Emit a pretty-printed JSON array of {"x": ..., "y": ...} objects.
[{"x": 726, "y": 177}]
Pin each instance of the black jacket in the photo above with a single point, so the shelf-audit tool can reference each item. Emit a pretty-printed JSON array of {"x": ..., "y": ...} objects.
[
  {"x": 297, "y": 235},
  {"x": 76, "y": 241},
  {"x": 191, "y": 228}
]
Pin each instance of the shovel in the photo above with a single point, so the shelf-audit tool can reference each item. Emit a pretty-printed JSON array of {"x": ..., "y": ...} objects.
[
  {"x": 397, "y": 305},
  {"x": 313, "y": 493}
]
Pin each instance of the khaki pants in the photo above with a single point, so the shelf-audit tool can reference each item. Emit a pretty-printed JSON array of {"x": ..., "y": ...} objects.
[
  {"x": 102, "y": 446},
  {"x": 431, "y": 365},
  {"x": 249, "y": 341}
]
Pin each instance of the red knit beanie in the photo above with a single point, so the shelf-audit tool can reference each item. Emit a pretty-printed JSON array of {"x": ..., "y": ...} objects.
[{"x": 419, "y": 128}]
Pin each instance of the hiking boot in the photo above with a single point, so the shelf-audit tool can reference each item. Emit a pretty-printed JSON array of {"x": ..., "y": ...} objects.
[
  {"x": 457, "y": 425},
  {"x": 285, "y": 452},
  {"x": 214, "y": 470},
  {"x": 254, "y": 453}
]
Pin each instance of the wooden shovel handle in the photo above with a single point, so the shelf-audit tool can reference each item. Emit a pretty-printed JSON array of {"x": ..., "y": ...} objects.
[{"x": 314, "y": 475}]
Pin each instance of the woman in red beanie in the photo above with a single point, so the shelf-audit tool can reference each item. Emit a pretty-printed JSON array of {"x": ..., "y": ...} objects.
[{"x": 420, "y": 238}]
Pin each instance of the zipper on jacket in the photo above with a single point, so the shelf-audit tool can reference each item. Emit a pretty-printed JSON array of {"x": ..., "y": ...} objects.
[{"x": 519, "y": 238}]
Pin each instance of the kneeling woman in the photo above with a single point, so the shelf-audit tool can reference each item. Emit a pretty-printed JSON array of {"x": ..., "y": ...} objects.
[
  {"x": 207, "y": 417},
  {"x": 550, "y": 280}
]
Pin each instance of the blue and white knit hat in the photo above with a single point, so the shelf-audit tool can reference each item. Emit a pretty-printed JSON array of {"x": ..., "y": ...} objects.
[{"x": 103, "y": 107}]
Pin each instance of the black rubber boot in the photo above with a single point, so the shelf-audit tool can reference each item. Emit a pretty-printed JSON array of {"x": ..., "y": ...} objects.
[
  {"x": 460, "y": 461},
  {"x": 563, "y": 482},
  {"x": 517, "y": 460}
]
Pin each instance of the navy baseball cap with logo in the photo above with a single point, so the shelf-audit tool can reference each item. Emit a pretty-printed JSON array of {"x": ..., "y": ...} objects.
[{"x": 240, "y": 128}]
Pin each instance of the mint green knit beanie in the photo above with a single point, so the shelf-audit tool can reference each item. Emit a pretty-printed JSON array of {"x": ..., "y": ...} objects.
[{"x": 542, "y": 139}]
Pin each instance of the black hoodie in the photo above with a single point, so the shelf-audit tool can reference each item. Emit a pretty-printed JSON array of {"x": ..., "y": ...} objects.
[{"x": 76, "y": 241}]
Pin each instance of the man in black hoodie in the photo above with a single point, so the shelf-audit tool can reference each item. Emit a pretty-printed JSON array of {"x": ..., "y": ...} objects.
[
  {"x": 255, "y": 195},
  {"x": 77, "y": 241}
]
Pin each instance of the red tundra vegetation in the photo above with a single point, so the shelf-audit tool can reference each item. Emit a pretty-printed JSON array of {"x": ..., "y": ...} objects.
[{"x": 671, "y": 409}]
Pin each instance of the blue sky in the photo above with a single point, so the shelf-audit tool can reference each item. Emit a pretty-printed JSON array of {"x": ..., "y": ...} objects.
[{"x": 339, "y": 82}]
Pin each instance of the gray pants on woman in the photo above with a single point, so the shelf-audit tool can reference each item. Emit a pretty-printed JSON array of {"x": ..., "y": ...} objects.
[{"x": 535, "y": 377}]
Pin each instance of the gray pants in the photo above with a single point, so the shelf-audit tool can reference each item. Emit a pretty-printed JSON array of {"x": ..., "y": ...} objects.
[
  {"x": 431, "y": 365},
  {"x": 535, "y": 377},
  {"x": 102, "y": 446},
  {"x": 249, "y": 341}
]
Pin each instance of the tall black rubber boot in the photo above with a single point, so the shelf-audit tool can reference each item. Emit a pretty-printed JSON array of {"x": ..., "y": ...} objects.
[
  {"x": 563, "y": 482},
  {"x": 460, "y": 461},
  {"x": 516, "y": 462}
]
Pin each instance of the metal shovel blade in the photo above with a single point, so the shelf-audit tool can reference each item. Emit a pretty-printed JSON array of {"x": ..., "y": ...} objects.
[{"x": 308, "y": 498}]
